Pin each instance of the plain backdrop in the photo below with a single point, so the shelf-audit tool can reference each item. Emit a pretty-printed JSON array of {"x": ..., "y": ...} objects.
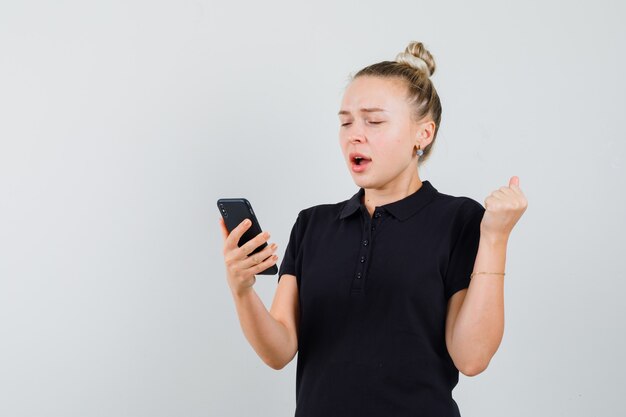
[{"x": 122, "y": 123}]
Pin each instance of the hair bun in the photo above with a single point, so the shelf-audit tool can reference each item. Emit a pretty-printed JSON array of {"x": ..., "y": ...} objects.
[{"x": 417, "y": 56}]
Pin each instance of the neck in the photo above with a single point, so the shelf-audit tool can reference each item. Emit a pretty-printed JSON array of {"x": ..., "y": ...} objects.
[{"x": 376, "y": 197}]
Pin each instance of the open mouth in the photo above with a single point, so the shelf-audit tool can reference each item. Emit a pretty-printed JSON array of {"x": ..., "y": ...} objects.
[{"x": 360, "y": 164}]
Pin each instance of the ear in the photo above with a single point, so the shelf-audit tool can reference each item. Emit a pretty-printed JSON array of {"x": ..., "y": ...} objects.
[{"x": 425, "y": 132}]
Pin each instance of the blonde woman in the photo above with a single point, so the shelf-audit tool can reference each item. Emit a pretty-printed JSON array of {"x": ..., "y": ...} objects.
[{"x": 387, "y": 295}]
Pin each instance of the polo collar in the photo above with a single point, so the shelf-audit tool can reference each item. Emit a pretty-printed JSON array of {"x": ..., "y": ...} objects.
[{"x": 401, "y": 209}]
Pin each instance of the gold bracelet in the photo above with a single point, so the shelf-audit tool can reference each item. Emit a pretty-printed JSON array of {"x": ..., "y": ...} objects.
[{"x": 496, "y": 273}]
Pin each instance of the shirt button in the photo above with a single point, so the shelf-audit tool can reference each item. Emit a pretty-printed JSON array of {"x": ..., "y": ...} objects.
[
  {"x": 365, "y": 243},
  {"x": 377, "y": 215},
  {"x": 362, "y": 259},
  {"x": 373, "y": 228},
  {"x": 358, "y": 275}
]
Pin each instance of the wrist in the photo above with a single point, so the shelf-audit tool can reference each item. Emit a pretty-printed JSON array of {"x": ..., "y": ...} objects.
[
  {"x": 242, "y": 292},
  {"x": 494, "y": 239}
]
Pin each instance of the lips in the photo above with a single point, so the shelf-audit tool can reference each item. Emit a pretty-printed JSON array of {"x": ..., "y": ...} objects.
[
  {"x": 358, "y": 158},
  {"x": 359, "y": 162},
  {"x": 361, "y": 167}
]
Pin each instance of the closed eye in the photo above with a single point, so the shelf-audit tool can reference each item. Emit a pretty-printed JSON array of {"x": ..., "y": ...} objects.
[{"x": 373, "y": 123}]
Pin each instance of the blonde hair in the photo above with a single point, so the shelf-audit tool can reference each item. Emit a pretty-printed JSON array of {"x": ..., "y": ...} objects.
[{"x": 414, "y": 67}]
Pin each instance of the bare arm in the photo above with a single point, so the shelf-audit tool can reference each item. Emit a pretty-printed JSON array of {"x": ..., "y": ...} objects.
[
  {"x": 475, "y": 319},
  {"x": 273, "y": 335},
  {"x": 475, "y": 324}
]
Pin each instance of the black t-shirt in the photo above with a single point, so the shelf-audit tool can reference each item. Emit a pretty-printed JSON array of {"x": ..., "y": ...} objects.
[{"x": 373, "y": 293}]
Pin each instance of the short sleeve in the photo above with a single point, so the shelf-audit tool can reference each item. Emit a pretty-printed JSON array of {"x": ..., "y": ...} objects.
[
  {"x": 466, "y": 238},
  {"x": 288, "y": 263}
]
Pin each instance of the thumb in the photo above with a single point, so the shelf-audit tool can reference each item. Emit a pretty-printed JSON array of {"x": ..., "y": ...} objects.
[
  {"x": 514, "y": 181},
  {"x": 223, "y": 228}
]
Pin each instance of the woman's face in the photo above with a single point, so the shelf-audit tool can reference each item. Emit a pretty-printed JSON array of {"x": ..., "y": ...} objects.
[{"x": 375, "y": 121}]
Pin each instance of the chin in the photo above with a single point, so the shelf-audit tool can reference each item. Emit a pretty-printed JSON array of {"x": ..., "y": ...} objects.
[{"x": 360, "y": 182}]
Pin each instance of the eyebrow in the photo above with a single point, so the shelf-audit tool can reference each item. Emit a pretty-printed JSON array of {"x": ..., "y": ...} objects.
[{"x": 365, "y": 109}]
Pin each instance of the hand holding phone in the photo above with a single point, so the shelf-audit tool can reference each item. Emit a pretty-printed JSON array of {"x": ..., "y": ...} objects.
[{"x": 246, "y": 252}]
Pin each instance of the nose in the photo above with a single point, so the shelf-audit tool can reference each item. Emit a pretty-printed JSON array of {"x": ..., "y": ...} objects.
[
  {"x": 356, "y": 133},
  {"x": 355, "y": 138},
  {"x": 353, "y": 133}
]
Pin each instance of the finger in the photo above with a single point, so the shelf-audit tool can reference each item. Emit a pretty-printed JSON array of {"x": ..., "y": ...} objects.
[
  {"x": 260, "y": 256},
  {"x": 237, "y": 232},
  {"x": 253, "y": 243},
  {"x": 497, "y": 195},
  {"x": 265, "y": 264},
  {"x": 517, "y": 189},
  {"x": 514, "y": 184},
  {"x": 506, "y": 190},
  {"x": 502, "y": 191},
  {"x": 506, "y": 195}
]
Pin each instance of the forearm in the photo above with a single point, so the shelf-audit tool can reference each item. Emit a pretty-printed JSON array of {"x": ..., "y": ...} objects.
[
  {"x": 268, "y": 337},
  {"x": 479, "y": 325}
]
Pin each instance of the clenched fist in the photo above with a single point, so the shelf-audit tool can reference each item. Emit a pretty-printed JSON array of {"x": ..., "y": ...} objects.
[{"x": 503, "y": 208}]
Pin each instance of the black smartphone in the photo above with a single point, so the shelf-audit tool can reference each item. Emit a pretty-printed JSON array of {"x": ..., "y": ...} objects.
[{"x": 234, "y": 211}]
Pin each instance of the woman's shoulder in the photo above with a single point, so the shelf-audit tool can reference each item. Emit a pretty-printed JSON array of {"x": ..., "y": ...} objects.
[
  {"x": 320, "y": 210},
  {"x": 322, "y": 213},
  {"x": 459, "y": 202},
  {"x": 457, "y": 208}
]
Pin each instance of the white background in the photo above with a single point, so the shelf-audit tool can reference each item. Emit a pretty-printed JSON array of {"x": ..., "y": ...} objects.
[{"x": 122, "y": 123}]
